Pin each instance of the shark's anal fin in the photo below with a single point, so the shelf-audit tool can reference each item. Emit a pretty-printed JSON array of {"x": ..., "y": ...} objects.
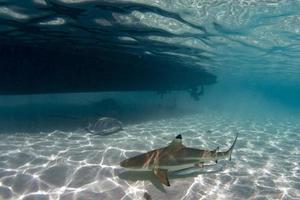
[
  {"x": 200, "y": 165},
  {"x": 162, "y": 176}
]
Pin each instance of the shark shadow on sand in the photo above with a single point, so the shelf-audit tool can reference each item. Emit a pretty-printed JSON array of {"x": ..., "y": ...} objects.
[{"x": 186, "y": 173}]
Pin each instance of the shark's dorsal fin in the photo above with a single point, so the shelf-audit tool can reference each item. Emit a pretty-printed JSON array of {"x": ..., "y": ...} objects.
[
  {"x": 162, "y": 175},
  {"x": 177, "y": 142},
  {"x": 179, "y": 137}
]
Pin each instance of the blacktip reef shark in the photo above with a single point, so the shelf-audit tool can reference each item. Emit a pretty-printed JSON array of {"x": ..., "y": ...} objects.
[{"x": 174, "y": 157}]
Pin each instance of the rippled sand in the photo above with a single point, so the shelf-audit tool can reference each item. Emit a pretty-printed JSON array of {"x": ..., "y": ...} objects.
[{"x": 265, "y": 163}]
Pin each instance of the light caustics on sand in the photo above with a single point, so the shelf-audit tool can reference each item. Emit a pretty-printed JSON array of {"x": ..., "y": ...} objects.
[
  {"x": 65, "y": 165},
  {"x": 206, "y": 34}
]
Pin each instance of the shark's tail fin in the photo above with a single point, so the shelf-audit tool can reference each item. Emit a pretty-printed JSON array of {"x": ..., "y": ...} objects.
[{"x": 229, "y": 151}]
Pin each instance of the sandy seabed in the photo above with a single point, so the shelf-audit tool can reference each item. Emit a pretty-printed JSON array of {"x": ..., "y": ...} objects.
[{"x": 80, "y": 166}]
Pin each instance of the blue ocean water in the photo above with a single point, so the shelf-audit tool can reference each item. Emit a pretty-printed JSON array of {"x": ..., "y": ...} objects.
[{"x": 66, "y": 63}]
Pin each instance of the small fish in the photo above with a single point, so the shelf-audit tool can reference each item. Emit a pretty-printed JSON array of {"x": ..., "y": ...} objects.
[{"x": 174, "y": 157}]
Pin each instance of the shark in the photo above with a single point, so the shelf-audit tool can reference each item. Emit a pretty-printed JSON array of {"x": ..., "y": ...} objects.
[{"x": 174, "y": 157}]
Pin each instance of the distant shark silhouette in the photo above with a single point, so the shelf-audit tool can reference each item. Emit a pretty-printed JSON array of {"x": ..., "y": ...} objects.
[{"x": 174, "y": 157}]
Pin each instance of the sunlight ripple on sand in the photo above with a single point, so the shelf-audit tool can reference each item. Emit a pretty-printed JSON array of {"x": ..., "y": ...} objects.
[{"x": 77, "y": 165}]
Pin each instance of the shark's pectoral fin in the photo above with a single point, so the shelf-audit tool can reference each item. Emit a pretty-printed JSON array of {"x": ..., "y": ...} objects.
[{"x": 162, "y": 176}]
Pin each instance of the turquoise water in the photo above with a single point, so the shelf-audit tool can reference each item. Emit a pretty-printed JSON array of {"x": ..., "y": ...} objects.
[{"x": 251, "y": 47}]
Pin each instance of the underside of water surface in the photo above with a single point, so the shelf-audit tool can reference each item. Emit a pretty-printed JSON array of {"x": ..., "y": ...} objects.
[{"x": 205, "y": 70}]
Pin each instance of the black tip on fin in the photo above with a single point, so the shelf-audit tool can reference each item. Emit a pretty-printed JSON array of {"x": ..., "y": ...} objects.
[{"x": 179, "y": 137}]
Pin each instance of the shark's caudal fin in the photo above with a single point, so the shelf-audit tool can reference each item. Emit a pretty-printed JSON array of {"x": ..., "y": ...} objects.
[
  {"x": 215, "y": 153},
  {"x": 229, "y": 151}
]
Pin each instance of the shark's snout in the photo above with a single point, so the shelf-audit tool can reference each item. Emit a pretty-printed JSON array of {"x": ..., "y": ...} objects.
[{"x": 124, "y": 163}]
